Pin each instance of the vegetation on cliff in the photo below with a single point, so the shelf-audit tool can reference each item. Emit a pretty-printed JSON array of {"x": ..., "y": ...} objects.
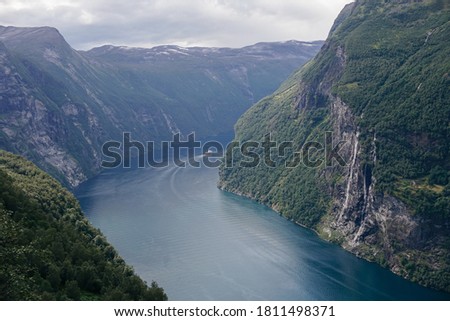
[
  {"x": 381, "y": 84},
  {"x": 49, "y": 251}
]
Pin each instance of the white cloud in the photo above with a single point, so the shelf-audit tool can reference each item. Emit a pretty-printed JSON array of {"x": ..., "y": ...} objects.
[{"x": 233, "y": 23}]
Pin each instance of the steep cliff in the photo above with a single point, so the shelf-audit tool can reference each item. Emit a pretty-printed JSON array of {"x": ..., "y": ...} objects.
[
  {"x": 58, "y": 106},
  {"x": 377, "y": 183}
]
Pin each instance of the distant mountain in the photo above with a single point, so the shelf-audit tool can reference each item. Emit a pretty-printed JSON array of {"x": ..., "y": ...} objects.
[
  {"x": 48, "y": 249},
  {"x": 58, "y": 106},
  {"x": 381, "y": 87}
]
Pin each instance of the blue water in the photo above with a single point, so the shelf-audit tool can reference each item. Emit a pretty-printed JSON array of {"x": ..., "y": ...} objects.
[{"x": 199, "y": 243}]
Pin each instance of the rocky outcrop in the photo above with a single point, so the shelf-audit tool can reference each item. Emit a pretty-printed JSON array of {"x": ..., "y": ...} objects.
[
  {"x": 29, "y": 126},
  {"x": 371, "y": 224}
]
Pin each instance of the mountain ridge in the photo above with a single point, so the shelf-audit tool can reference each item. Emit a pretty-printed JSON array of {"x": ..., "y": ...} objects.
[{"x": 59, "y": 105}]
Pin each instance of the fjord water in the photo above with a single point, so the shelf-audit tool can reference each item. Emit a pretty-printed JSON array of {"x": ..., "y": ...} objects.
[{"x": 199, "y": 243}]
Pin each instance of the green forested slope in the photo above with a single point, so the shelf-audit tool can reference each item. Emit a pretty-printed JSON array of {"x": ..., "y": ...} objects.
[
  {"x": 397, "y": 80},
  {"x": 49, "y": 251},
  {"x": 381, "y": 85}
]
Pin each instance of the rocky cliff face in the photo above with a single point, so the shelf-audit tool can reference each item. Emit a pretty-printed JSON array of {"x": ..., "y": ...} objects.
[
  {"x": 29, "y": 124},
  {"x": 59, "y": 106},
  {"x": 375, "y": 225},
  {"x": 371, "y": 224},
  {"x": 363, "y": 87}
]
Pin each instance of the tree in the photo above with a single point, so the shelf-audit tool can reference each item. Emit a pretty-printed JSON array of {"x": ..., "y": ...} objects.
[
  {"x": 438, "y": 176},
  {"x": 72, "y": 290}
]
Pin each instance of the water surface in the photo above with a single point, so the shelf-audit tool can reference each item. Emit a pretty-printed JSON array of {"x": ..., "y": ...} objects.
[{"x": 174, "y": 226}]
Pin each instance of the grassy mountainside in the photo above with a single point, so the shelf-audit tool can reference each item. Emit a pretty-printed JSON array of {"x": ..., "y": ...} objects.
[
  {"x": 381, "y": 85},
  {"x": 59, "y": 105},
  {"x": 49, "y": 251}
]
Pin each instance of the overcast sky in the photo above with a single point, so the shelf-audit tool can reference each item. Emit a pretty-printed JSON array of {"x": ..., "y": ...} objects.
[{"x": 146, "y": 23}]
